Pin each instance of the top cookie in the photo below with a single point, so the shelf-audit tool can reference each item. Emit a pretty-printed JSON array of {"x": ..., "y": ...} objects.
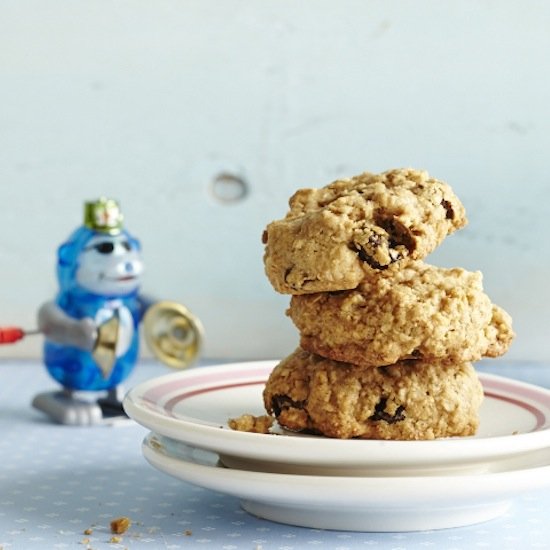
[{"x": 332, "y": 237}]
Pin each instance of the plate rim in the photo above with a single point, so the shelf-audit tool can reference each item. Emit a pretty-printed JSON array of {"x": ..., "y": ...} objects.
[
  {"x": 223, "y": 440},
  {"x": 353, "y": 490}
]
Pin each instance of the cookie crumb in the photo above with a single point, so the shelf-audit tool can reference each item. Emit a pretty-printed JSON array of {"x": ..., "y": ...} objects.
[
  {"x": 188, "y": 532},
  {"x": 88, "y": 531},
  {"x": 115, "y": 540},
  {"x": 251, "y": 423},
  {"x": 120, "y": 525}
]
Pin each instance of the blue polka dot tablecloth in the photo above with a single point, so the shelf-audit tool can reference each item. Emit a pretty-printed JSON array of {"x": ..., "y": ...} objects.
[{"x": 62, "y": 486}]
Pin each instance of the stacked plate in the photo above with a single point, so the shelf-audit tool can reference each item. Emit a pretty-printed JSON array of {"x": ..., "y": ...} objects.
[{"x": 356, "y": 485}]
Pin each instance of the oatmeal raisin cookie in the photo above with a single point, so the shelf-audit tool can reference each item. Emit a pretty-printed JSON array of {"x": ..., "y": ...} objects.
[
  {"x": 332, "y": 237},
  {"x": 419, "y": 311},
  {"x": 406, "y": 401}
]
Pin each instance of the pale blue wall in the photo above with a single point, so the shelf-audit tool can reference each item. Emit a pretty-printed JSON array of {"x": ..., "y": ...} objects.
[{"x": 148, "y": 101}]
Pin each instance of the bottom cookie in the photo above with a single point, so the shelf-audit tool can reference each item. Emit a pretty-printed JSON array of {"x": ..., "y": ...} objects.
[{"x": 409, "y": 400}]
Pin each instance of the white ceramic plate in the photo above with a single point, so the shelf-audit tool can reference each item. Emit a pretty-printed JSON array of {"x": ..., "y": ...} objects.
[
  {"x": 194, "y": 407},
  {"x": 356, "y": 503}
]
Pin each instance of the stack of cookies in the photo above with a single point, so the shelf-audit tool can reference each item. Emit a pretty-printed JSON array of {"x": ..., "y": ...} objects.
[{"x": 386, "y": 341}]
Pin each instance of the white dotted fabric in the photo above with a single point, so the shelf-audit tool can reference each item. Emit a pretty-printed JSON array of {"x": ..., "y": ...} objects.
[{"x": 57, "y": 482}]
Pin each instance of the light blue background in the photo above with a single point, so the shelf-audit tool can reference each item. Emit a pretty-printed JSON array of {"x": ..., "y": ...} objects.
[{"x": 149, "y": 101}]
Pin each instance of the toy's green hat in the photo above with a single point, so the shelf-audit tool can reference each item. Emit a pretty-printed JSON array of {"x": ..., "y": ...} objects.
[{"x": 103, "y": 215}]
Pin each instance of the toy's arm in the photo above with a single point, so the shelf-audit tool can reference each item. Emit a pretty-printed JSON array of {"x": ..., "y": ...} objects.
[
  {"x": 63, "y": 329},
  {"x": 145, "y": 302}
]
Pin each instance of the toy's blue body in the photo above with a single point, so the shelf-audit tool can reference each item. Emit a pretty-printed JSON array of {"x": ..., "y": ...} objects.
[{"x": 75, "y": 368}]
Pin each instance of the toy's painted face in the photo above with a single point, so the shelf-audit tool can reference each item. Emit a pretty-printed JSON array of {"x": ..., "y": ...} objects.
[{"x": 110, "y": 265}]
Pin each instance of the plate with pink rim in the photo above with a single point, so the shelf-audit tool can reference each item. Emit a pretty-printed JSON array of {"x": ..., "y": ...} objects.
[{"x": 194, "y": 407}]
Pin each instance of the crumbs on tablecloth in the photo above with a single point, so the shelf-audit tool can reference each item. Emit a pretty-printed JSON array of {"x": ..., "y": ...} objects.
[
  {"x": 120, "y": 525},
  {"x": 251, "y": 423}
]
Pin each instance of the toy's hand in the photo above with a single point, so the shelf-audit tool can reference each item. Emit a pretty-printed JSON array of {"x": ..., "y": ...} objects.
[
  {"x": 86, "y": 334},
  {"x": 60, "y": 328}
]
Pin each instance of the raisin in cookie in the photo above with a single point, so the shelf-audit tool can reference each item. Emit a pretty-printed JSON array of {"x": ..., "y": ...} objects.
[
  {"x": 407, "y": 400},
  {"x": 331, "y": 237},
  {"x": 419, "y": 311}
]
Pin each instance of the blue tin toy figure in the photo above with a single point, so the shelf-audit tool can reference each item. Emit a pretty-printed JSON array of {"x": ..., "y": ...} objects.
[{"x": 91, "y": 328}]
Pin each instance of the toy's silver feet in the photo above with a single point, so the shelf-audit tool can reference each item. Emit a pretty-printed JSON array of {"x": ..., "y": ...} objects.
[
  {"x": 66, "y": 408},
  {"x": 63, "y": 407}
]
